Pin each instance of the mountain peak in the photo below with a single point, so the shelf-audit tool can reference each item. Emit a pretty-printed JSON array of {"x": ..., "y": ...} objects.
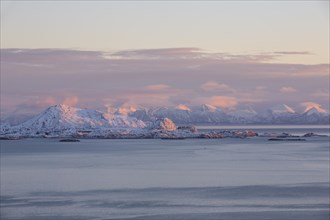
[
  {"x": 125, "y": 110},
  {"x": 315, "y": 110},
  {"x": 62, "y": 117},
  {"x": 61, "y": 111},
  {"x": 244, "y": 113},
  {"x": 182, "y": 107},
  {"x": 209, "y": 108},
  {"x": 282, "y": 108},
  {"x": 60, "y": 107}
]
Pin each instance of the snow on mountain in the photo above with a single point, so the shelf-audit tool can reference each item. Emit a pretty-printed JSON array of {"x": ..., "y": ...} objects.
[
  {"x": 125, "y": 110},
  {"x": 122, "y": 121},
  {"x": 183, "y": 107},
  {"x": 145, "y": 115},
  {"x": 207, "y": 108},
  {"x": 242, "y": 116},
  {"x": 315, "y": 115},
  {"x": 178, "y": 115},
  {"x": 4, "y": 127},
  {"x": 315, "y": 110},
  {"x": 207, "y": 114},
  {"x": 64, "y": 121},
  {"x": 61, "y": 117},
  {"x": 278, "y": 114},
  {"x": 281, "y": 109},
  {"x": 182, "y": 114},
  {"x": 243, "y": 113},
  {"x": 164, "y": 124}
]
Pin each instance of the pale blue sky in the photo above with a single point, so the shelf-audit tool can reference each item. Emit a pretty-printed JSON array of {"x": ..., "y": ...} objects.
[{"x": 223, "y": 26}]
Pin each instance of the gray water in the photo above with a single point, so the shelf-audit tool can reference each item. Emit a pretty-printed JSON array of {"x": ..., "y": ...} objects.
[
  {"x": 165, "y": 179},
  {"x": 292, "y": 129}
]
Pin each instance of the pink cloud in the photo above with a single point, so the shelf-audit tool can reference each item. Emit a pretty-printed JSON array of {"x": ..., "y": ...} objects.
[
  {"x": 158, "y": 77},
  {"x": 215, "y": 86},
  {"x": 25, "y": 104},
  {"x": 136, "y": 99},
  {"x": 259, "y": 88},
  {"x": 37, "y": 103},
  {"x": 287, "y": 89},
  {"x": 311, "y": 70},
  {"x": 48, "y": 101},
  {"x": 157, "y": 87},
  {"x": 323, "y": 94},
  {"x": 71, "y": 101}
]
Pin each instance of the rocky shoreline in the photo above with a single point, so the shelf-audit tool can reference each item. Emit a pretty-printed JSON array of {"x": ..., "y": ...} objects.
[{"x": 177, "y": 134}]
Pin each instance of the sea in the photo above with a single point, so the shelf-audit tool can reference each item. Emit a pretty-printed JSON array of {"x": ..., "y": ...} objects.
[{"x": 155, "y": 179}]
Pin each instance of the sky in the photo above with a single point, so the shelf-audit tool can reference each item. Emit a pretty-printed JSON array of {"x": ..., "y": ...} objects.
[{"x": 96, "y": 54}]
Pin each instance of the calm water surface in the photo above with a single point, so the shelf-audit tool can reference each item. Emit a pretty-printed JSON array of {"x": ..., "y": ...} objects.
[{"x": 165, "y": 179}]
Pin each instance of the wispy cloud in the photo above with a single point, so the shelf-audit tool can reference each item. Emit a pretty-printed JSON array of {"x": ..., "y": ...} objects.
[
  {"x": 137, "y": 99},
  {"x": 151, "y": 95},
  {"x": 162, "y": 53},
  {"x": 165, "y": 76},
  {"x": 293, "y": 52},
  {"x": 190, "y": 53},
  {"x": 215, "y": 86},
  {"x": 27, "y": 105},
  {"x": 322, "y": 94},
  {"x": 197, "y": 53},
  {"x": 287, "y": 89},
  {"x": 157, "y": 87},
  {"x": 48, "y": 55}
]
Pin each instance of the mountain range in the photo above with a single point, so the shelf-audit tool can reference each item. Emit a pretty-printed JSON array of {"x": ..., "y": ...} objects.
[
  {"x": 65, "y": 121},
  {"x": 61, "y": 117},
  {"x": 207, "y": 114},
  {"x": 62, "y": 120}
]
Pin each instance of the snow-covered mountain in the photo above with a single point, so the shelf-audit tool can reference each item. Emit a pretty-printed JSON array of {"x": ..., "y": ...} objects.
[
  {"x": 316, "y": 110},
  {"x": 242, "y": 116},
  {"x": 315, "y": 115},
  {"x": 61, "y": 120},
  {"x": 278, "y": 114},
  {"x": 183, "y": 114},
  {"x": 62, "y": 117},
  {"x": 65, "y": 121},
  {"x": 165, "y": 124},
  {"x": 207, "y": 108},
  {"x": 281, "y": 109},
  {"x": 174, "y": 113},
  {"x": 183, "y": 107},
  {"x": 208, "y": 114}
]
